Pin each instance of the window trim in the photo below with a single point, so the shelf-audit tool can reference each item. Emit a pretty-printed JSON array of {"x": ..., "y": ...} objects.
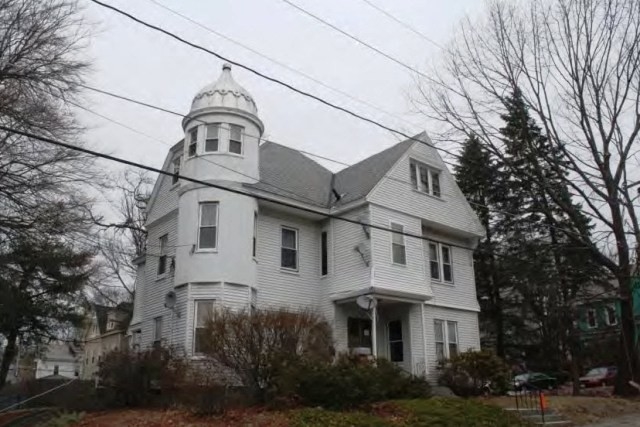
[
  {"x": 192, "y": 142},
  {"x": 441, "y": 263},
  {"x": 418, "y": 184},
  {"x": 206, "y": 137},
  {"x": 162, "y": 256},
  {"x": 446, "y": 341},
  {"x": 200, "y": 205},
  {"x": 611, "y": 307},
  {"x": 241, "y": 140},
  {"x": 324, "y": 253},
  {"x": 403, "y": 244},
  {"x": 297, "y": 249},
  {"x": 177, "y": 165},
  {"x": 157, "y": 321},
  {"x": 195, "y": 322},
  {"x": 595, "y": 318}
]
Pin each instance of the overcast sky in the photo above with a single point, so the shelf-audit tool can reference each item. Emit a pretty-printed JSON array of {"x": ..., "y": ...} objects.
[{"x": 138, "y": 62}]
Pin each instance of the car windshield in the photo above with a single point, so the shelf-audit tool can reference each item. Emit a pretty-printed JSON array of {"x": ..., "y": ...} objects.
[{"x": 596, "y": 372}]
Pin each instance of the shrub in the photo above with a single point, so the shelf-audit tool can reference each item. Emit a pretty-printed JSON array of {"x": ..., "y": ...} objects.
[
  {"x": 66, "y": 419},
  {"x": 137, "y": 378},
  {"x": 318, "y": 417},
  {"x": 258, "y": 346},
  {"x": 467, "y": 374},
  {"x": 348, "y": 383}
]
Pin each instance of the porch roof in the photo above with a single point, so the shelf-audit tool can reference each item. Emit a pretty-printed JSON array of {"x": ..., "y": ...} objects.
[{"x": 381, "y": 293}]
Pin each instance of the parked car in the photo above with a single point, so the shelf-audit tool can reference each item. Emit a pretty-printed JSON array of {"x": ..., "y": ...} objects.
[
  {"x": 601, "y": 376},
  {"x": 533, "y": 381}
]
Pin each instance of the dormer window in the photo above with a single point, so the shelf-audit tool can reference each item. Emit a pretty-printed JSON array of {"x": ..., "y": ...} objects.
[
  {"x": 212, "y": 141},
  {"x": 235, "y": 139},
  {"x": 193, "y": 141},
  {"x": 424, "y": 178}
]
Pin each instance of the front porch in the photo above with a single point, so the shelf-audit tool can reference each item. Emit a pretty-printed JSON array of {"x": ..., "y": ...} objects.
[{"x": 393, "y": 328}]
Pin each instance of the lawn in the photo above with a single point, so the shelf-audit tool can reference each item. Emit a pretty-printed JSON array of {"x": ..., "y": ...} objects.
[
  {"x": 581, "y": 409},
  {"x": 437, "y": 412}
]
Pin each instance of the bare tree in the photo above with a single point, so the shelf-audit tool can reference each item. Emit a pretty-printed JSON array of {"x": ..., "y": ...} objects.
[{"x": 577, "y": 64}]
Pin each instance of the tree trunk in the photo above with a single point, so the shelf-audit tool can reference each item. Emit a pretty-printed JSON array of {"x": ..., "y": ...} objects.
[
  {"x": 9, "y": 353},
  {"x": 628, "y": 366}
]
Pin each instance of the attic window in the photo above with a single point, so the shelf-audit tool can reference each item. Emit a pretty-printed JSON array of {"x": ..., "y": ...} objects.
[{"x": 424, "y": 178}]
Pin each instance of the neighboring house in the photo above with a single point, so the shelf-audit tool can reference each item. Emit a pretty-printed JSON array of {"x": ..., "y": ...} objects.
[
  {"x": 599, "y": 319},
  {"x": 105, "y": 331},
  {"x": 58, "y": 359},
  {"x": 209, "y": 247}
]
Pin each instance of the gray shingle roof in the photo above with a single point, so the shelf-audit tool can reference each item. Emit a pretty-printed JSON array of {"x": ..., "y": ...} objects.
[{"x": 288, "y": 173}]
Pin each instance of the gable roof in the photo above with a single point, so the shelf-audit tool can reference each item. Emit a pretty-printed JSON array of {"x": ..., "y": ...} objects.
[{"x": 288, "y": 173}]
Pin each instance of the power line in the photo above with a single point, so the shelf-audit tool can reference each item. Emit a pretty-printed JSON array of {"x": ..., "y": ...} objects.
[
  {"x": 271, "y": 79},
  {"x": 404, "y": 24},
  {"x": 357, "y": 40},
  {"x": 219, "y": 187},
  {"x": 281, "y": 64}
]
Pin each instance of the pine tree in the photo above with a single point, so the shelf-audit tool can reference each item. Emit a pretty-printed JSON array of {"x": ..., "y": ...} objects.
[{"x": 477, "y": 177}]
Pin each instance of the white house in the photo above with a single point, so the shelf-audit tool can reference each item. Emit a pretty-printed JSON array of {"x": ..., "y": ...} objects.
[
  {"x": 207, "y": 246},
  {"x": 60, "y": 359}
]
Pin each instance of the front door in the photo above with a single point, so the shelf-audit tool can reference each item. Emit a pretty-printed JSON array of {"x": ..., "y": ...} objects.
[{"x": 396, "y": 344}]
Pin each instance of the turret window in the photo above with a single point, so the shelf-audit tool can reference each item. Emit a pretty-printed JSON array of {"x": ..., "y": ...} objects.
[
  {"x": 207, "y": 233},
  {"x": 212, "y": 142},
  {"x": 235, "y": 139},
  {"x": 193, "y": 141}
]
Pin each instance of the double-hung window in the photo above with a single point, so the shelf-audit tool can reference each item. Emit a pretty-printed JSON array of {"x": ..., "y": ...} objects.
[
  {"x": 157, "y": 330},
  {"x": 212, "y": 140},
  {"x": 203, "y": 313},
  {"x": 162, "y": 257},
  {"x": 235, "y": 139},
  {"x": 610, "y": 315},
  {"x": 446, "y": 339},
  {"x": 289, "y": 248},
  {"x": 398, "y": 250},
  {"x": 193, "y": 142},
  {"x": 176, "y": 169},
  {"x": 324, "y": 254},
  {"x": 440, "y": 262},
  {"x": 424, "y": 178},
  {"x": 208, "y": 227}
]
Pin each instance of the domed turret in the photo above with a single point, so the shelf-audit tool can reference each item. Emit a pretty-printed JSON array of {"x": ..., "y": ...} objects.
[{"x": 224, "y": 94}]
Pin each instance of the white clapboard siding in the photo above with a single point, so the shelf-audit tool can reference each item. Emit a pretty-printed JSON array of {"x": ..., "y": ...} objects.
[
  {"x": 165, "y": 196},
  {"x": 156, "y": 287},
  {"x": 468, "y": 335},
  {"x": 450, "y": 210}
]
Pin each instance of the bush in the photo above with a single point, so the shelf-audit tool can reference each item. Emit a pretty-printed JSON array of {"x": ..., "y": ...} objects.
[
  {"x": 138, "y": 378},
  {"x": 348, "y": 383},
  {"x": 467, "y": 374},
  {"x": 258, "y": 346},
  {"x": 318, "y": 417}
]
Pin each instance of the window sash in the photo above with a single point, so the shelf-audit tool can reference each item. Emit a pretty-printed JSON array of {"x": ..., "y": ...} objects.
[
  {"x": 359, "y": 332},
  {"x": 208, "y": 226},
  {"x": 439, "y": 339},
  {"x": 413, "y": 169},
  {"x": 447, "y": 263},
  {"x": 157, "y": 328},
  {"x": 212, "y": 140},
  {"x": 398, "y": 250},
  {"x": 203, "y": 309},
  {"x": 254, "y": 248},
  {"x": 235, "y": 139},
  {"x": 176, "y": 170},
  {"x": 592, "y": 319},
  {"x": 193, "y": 141},
  {"x": 324, "y": 254},
  {"x": 162, "y": 258},
  {"x": 446, "y": 339},
  {"x": 610, "y": 315},
  {"x": 435, "y": 183},
  {"x": 289, "y": 248},
  {"x": 424, "y": 179},
  {"x": 434, "y": 261}
]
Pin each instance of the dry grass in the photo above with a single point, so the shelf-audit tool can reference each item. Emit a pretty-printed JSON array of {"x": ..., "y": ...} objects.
[{"x": 581, "y": 409}]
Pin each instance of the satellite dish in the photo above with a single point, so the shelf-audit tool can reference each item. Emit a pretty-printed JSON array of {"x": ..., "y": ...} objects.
[
  {"x": 170, "y": 300},
  {"x": 366, "y": 302}
]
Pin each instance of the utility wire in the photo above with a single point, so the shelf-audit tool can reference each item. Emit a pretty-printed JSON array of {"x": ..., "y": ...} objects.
[
  {"x": 404, "y": 24},
  {"x": 359, "y": 41},
  {"x": 281, "y": 64},
  {"x": 273, "y": 79},
  {"x": 219, "y": 187}
]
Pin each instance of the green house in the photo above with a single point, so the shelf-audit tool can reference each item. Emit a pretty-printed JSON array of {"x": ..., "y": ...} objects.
[{"x": 599, "y": 320}]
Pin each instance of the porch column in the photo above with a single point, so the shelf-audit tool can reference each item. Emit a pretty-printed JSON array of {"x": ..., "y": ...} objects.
[{"x": 374, "y": 329}]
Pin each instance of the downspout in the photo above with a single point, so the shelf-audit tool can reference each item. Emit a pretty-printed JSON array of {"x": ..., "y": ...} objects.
[{"x": 424, "y": 339}]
